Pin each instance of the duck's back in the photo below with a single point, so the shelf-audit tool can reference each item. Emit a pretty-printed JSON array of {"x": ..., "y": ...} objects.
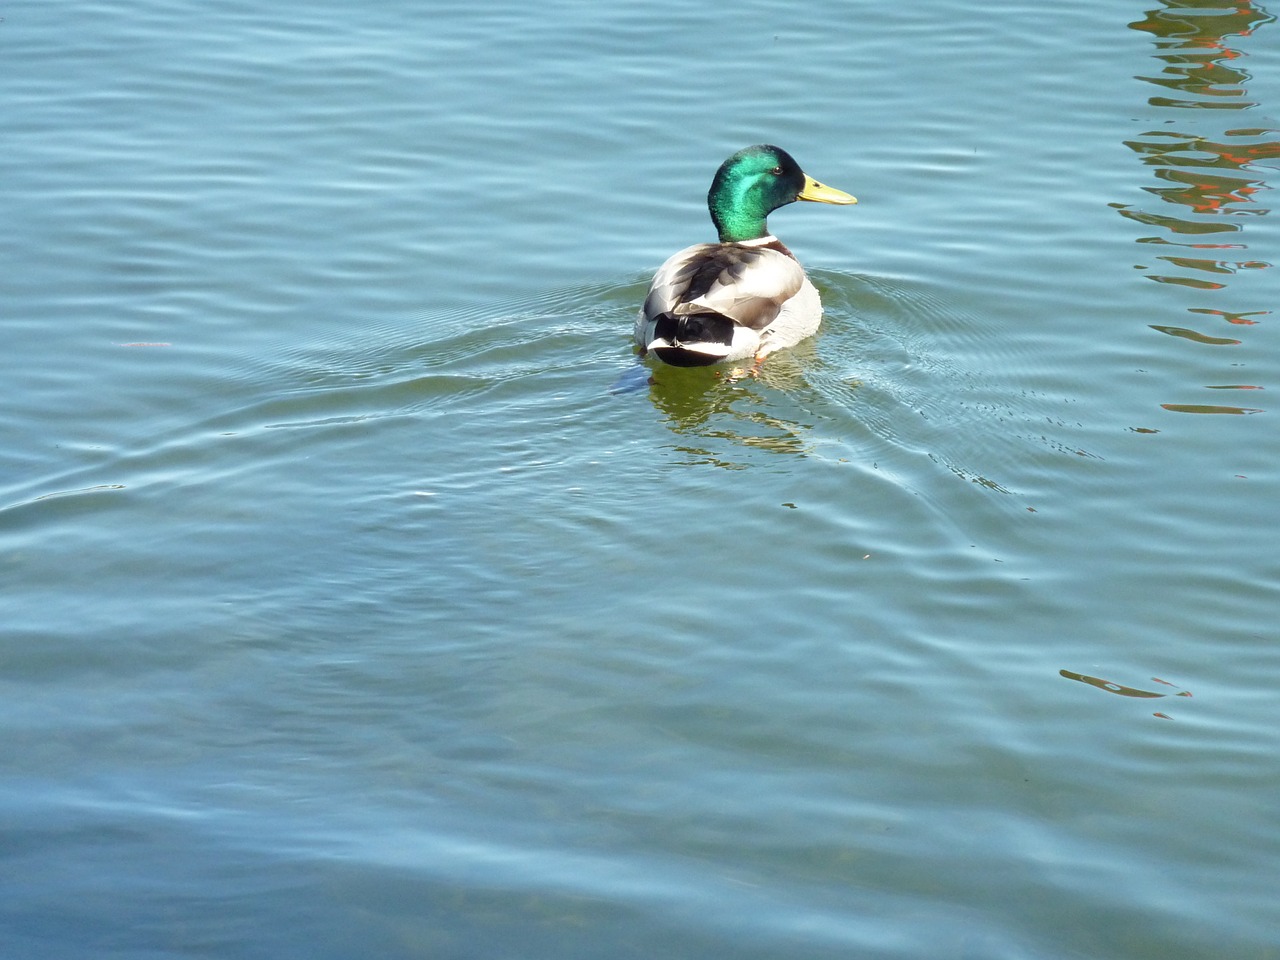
[{"x": 723, "y": 301}]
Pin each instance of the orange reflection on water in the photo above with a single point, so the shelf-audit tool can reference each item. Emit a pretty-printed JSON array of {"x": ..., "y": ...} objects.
[
  {"x": 1187, "y": 282},
  {"x": 1210, "y": 408},
  {"x": 1195, "y": 336},
  {"x": 1181, "y": 152},
  {"x": 1124, "y": 691},
  {"x": 1209, "y": 181},
  {"x": 1240, "y": 318},
  {"x": 1196, "y": 59}
]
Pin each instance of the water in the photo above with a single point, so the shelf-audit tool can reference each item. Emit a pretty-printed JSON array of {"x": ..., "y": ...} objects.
[{"x": 365, "y": 598}]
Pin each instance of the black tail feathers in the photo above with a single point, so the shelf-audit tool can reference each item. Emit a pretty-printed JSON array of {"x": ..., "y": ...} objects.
[{"x": 694, "y": 328}]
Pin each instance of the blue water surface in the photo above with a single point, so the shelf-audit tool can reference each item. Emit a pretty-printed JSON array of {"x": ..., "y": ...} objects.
[{"x": 365, "y": 595}]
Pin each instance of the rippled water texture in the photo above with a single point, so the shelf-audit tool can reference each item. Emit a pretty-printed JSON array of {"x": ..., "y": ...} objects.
[{"x": 365, "y": 595}]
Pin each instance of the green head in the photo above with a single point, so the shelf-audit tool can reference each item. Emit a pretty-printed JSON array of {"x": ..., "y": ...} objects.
[{"x": 753, "y": 183}]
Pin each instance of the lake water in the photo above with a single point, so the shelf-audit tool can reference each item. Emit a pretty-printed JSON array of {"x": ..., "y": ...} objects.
[{"x": 365, "y": 596}]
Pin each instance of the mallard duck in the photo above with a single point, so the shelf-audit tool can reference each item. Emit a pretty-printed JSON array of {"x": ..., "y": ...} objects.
[{"x": 747, "y": 295}]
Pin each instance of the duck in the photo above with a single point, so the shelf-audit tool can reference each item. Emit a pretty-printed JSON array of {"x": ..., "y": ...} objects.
[{"x": 747, "y": 295}]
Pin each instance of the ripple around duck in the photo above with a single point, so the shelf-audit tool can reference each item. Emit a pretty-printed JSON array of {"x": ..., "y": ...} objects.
[
  {"x": 519, "y": 357},
  {"x": 821, "y": 397},
  {"x": 402, "y": 367},
  {"x": 896, "y": 359}
]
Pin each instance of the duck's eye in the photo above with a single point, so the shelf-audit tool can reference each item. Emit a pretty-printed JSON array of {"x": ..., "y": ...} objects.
[{"x": 776, "y": 171}]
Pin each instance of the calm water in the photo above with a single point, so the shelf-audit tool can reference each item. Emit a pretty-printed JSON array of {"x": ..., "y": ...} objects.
[{"x": 363, "y": 596}]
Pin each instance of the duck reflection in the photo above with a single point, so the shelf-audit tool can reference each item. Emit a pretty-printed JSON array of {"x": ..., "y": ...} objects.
[
  {"x": 706, "y": 406},
  {"x": 1211, "y": 178}
]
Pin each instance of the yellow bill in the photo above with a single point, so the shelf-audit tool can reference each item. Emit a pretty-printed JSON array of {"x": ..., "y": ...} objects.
[{"x": 821, "y": 193}]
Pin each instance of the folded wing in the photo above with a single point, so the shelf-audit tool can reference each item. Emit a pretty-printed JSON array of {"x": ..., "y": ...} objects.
[{"x": 748, "y": 285}]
